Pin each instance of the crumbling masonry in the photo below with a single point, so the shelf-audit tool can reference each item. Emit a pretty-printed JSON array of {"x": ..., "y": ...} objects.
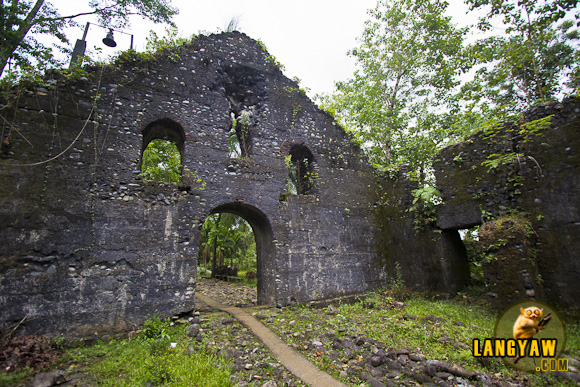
[{"x": 91, "y": 249}]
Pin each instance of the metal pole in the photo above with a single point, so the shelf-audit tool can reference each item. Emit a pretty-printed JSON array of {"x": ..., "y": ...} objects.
[
  {"x": 86, "y": 31},
  {"x": 79, "y": 50}
]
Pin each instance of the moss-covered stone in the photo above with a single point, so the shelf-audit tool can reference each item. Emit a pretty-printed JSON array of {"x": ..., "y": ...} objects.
[
  {"x": 530, "y": 167},
  {"x": 508, "y": 262}
]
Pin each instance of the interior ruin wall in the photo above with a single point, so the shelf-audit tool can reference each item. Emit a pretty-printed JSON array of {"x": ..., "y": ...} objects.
[{"x": 526, "y": 170}]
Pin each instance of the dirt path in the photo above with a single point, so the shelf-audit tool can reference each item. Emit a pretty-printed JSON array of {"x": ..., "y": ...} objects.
[
  {"x": 292, "y": 360},
  {"x": 228, "y": 293}
]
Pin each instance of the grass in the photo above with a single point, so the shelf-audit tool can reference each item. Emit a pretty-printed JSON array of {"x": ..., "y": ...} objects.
[
  {"x": 151, "y": 358},
  {"x": 395, "y": 327},
  {"x": 433, "y": 328},
  {"x": 251, "y": 282},
  {"x": 153, "y": 362},
  {"x": 573, "y": 338},
  {"x": 156, "y": 360},
  {"x": 15, "y": 378}
]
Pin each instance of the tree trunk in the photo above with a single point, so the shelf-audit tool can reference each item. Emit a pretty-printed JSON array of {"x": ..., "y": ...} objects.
[
  {"x": 25, "y": 26},
  {"x": 540, "y": 90},
  {"x": 242, "y": 254},
  {"x": 214, "y": 252},
  {"x": 3, "y": 62}
]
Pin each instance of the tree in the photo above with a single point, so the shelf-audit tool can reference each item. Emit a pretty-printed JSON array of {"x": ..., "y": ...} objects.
[
  {"x": 409, "y": 59},
  {"x": 227, "y": 239},
  {"x": 518, "y": 13},
  {"x": 161, "y": 162},
  {"x": 22, "y": 21},
  {"x": 535, "y": 60}
]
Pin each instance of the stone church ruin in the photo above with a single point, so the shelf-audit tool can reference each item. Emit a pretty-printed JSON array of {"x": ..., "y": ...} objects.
[{"x": 90, "y": 248}]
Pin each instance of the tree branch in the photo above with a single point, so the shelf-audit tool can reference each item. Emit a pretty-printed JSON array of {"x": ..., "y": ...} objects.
[
  {"x": 31, "y": 15},
  {"x": 95, "y": 11},
  {"x": 391, "y": 99},
  {"x": 536, "y": 73},
  {"x": 23, "y": 29},
  {"x": 15, "y": 6}
]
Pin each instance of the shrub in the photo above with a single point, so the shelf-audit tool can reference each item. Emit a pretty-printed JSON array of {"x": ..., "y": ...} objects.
[{"x": 156, "y": 328}]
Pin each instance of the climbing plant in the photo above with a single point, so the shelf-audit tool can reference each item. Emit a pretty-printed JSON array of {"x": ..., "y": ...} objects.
[
  {"x": 528, "y": 131},
  {"x": 425, "y": 200},
  {"x": 239, "y": 136}
]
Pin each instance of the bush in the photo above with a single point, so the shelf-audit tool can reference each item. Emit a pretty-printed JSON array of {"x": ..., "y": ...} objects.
[{"x": 156, "y": 328}]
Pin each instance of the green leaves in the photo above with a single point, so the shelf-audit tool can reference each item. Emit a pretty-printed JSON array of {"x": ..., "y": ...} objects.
[
  {"x": 116, "y": 13},
  {"x": 156, "y": 328},
  {"x": 404, "y": 102},
  {"x": 533, "y": 60},
  {"x": 535, "y": 128},
  {"x": 171, "y": 39},
  {"x": 161, "y": 162},
  {"x": 427, "y": 195},
  {"x": 425, "y": 200},
  {"x": 231, "y": 237},
  {"x": 409, "y": 57},
  {"x": 495, "y": 160},
  {"x": 21, "y": 22}
]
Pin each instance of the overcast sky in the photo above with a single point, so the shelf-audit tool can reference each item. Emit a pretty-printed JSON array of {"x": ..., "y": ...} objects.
[{"x": 309, "y": 37}]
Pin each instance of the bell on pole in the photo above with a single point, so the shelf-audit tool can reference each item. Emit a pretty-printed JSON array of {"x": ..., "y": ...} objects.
[{"x": 109, "y": 41}]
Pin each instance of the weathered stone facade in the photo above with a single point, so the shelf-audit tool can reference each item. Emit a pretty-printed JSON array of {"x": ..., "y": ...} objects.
[
  {"x": 524, "y": 171},
  {"x": 91, "y": 249}
]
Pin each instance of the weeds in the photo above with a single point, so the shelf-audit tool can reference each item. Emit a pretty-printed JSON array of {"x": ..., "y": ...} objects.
[
  {"x": 424, "y": 205},
  {"x": 438, "y": 329},
  {"x": 160, "y": 356},
  {"x": 443, "y": 330},
  {"x": 156, "y": 328},
  {"x": 249, "y": 278}
]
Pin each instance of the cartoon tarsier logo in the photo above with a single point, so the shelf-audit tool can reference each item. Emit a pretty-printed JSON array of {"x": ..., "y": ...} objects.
[
  {"x": 529, "y": 336},
  {"x": 528, "y": 324}
]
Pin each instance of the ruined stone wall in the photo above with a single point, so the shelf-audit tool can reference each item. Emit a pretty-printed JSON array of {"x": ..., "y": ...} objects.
[
  {"x": 427, "y": 258},
  {"x": 530, "y": 172},
  {"x": 88, "y": 246}
]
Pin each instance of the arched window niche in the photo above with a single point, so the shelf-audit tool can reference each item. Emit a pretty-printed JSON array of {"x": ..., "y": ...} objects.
[
  {"x": 162, "y": 151},
  {"x": 301, "y": 175}
]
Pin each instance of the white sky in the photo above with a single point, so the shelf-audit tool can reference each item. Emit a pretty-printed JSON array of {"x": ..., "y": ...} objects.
[{"x": 309, "y": 37}]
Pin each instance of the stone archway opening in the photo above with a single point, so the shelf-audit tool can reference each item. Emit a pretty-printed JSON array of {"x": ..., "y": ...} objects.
[
  {"x": 227, "y": 249},
  {"x": 264, "y": 247},
  {"x": 475, "y": 255},
  {"x": 162, "y": 151}
]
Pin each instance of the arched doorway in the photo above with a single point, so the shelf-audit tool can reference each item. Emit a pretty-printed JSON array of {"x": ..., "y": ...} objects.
[{"x": 265, "y": 249}]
